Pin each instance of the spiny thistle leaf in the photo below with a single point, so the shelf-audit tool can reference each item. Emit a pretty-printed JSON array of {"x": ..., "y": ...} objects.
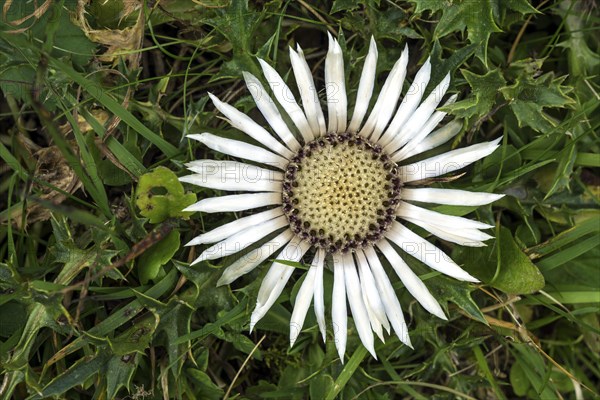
[
  {"x": 484, "y": 90},
  {"x": 529, "y": 96},
  {"x": 479, "y": 18}
]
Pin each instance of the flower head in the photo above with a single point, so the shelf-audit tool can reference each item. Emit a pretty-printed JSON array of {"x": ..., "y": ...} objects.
[{"x": 337, "y": 190}]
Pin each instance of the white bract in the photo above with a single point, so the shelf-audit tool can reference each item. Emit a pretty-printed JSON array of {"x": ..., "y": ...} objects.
[{"x": 337, "y": 191}]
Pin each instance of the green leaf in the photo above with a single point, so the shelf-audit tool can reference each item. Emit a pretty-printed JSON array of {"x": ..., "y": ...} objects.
[
  {"x": 277, "y": 319},
  {"x": 344, "y": 5},
  {"x": 150, "y": 261},
  {"x": 483, "y": 365},
  {"x": 74, "y": 259},
  {"x": 175, "y": 323},
  {"x": 518, "y": 380},
  {"x": 135, "y": 339},
  {"x": 527, "y": 234},
  {"x": 322, "y": 383},
  {"x": 569, "y": 253},
  {"x": 238, "y": 24},
  {"x": 349, "y": 369},
  {"x": 38, "y": 317},
  {"x": 484, "y": 88},
  {"x": 49, "y": 309},
  {"x": 528, "y": 97},
  {"x": 534, "y": 371},
  {"x": 583, "y": 60},
  {"x": 289, "y": 263},
  {"x": 565, "y": 238},
  {"x": 231, "y": 316},
  {"x": 160, "y": 195},
  {"x": 12, "y": 379},
  {"x": 102, "y": 96},
  {"x": 241, "y": 342},
  {"x": 476, "y": 17},
  {"x": 504, "y": 266},
  {"x": 16, "y": 79},
  {"x": 82, "y": 164},
  {"x": 128, "y": 154},
  {"x": 520, "y": 6},
  {"x": 385, "y": 24},
  {"x": 71, "y": 41},
  {"x": 506, "y": 159},
  {"x": 576, "y": 297},
  {"x": 18, "y": 75},
  {"x": 441, "y": 67},
  {"x": 119, "y": 317},
  {"x": 206, "y": 388},
  {"x": 479, "y": 18},
  {"x": 459, "y": 293},
  {"x": 562, "y": 176},
  {"x": 74, "y": 376},
  {"x": 517, "y": 274},
  {"x": 13, "y": 316},
  {"x": 119, "y": 371}
]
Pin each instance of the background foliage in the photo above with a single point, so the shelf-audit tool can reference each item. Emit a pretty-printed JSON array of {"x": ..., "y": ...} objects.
[{"x": 96, "y": 298}]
